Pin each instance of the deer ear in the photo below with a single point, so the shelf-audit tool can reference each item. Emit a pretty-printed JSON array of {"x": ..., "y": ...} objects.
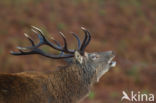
[{"x": 78, "y": 57}]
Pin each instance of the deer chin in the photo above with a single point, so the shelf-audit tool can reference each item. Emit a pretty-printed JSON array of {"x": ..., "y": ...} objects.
[
  {"x": 106, "y": 69},
  {"x": 102, "y": 73}
]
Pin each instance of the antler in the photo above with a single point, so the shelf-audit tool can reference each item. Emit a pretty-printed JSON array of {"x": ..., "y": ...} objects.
[
  {"x": 85, "y": 41},
  {"x": 65, "y": 52}
]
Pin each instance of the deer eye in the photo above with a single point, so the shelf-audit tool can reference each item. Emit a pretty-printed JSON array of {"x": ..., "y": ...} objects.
[{"x": 94, "y": 57}]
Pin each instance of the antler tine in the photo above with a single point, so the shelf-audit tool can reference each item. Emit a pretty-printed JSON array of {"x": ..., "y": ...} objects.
[
  {"x": 65, "y": 44},
  {"x": 28, "y": 37},
  {"x": 21, "y": 52},
  {"x": 88, "y": 39},
  {"x": 65, "y": 41},
  {"x": 84, "y": 40},
  {"x": 77, "y": 38},
  {"x": 17, "y": 53},
  {"x": 37, "y": 29},
  {"x": 40, "y": 34}
]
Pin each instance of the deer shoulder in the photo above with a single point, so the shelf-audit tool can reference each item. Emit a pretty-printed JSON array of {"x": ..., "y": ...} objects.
[{"x": 67, "y": 84}]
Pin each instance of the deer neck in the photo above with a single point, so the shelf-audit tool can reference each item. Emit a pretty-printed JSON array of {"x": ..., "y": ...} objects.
[
  {"x": 88, "y": 73},
  {"x": 73, "y": 81}
]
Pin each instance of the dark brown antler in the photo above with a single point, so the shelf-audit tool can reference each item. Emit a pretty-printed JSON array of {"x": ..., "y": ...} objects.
[
  {"x": 65, "y": 52},
  {"x": 85, "y": 41}
]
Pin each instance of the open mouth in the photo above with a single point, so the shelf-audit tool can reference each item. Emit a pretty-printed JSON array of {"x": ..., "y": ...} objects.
[{"x": 112, "y": 63}]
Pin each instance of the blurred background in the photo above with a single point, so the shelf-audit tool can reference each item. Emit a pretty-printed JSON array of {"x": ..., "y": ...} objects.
[{"x": 128, "y": 27}]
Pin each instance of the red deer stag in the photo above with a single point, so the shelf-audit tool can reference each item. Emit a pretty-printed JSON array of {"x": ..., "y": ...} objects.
[{"x": 68, "y": 84}]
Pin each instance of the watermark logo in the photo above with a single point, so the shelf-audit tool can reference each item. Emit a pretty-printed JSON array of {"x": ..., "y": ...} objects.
[{"x": 137, "y": 96}]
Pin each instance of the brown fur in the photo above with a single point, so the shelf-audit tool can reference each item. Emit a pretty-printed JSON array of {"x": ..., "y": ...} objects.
[{"x": 62, "y": 86}]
